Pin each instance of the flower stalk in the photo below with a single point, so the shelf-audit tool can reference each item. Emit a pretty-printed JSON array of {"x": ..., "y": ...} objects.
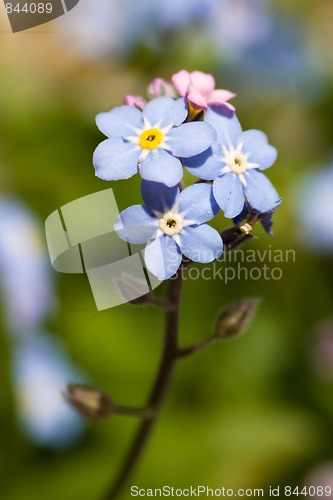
[{"x": 159, "y": 390}]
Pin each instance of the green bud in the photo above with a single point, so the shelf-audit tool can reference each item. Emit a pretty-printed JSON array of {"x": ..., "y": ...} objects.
[{"x": 235, "y": 318}]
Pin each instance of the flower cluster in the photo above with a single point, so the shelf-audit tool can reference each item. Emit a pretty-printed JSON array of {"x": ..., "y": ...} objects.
[{"x": 198, "y": 130}]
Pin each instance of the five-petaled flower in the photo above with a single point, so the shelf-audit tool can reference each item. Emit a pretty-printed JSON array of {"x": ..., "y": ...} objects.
[
  {"x": 199, "y": 89},
  {"x": 172, "y": 223},
  {"x": 151, "y": 141},
  {"x": 234, "y": 163}
]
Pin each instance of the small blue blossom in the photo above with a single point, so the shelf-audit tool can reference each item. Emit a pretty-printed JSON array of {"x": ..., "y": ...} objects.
[
  {"x": 172, "y": 223},
  {"x": 234, "y": 163},
  {"x": 151, "y": 141}
]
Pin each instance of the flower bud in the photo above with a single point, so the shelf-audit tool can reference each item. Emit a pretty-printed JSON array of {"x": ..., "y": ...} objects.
[
  {"x": 160, "y": 88},
  {"x": 89, "y": 401},
  {"x": 132, "y": 288},
  {"x": 235, "y": 318},
  {"x": 135, "y": 101},
  {"x": 233, "y": 238}
]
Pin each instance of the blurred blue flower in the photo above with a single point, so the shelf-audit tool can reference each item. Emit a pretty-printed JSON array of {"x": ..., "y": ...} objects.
[
  {"x": 41, "y": 372},
  {"x": 234, "y": 163},
  {"x": 173, "y": 224},
  {"x": 40, "y": 368},
  {"x": 119, "y": 26},
  {"x": 24, "y": 269},
  {"x": 150, "y": 141},
  {"x": 96, "y": 29},
  {"x": 264, "y": 50},
  {"x": 315, "y": 218},
  {"x": 238, "y": 25},
  {"x": 176, "y": 15}
]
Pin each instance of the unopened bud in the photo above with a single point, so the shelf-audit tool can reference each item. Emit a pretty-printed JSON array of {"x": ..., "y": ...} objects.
[
  {"x": 134, "y": 101},
  {"x": 234, "y": 238},
  {"x": 160, "y": 88},
  {"x": 235, "y": 318},
  {"x": 132, "y": 288},
  {"x": 89, "y": 401}
]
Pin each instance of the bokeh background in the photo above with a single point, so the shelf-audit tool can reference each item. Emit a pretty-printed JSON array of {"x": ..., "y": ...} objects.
[{"x": 252, "y": 412}]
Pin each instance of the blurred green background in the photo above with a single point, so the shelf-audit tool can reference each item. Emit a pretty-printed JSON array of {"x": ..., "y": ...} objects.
[{"x": 252, "y": 412}]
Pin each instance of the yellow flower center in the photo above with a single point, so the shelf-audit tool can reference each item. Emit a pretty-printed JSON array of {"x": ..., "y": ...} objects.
[{"x": 151, "y": 139}]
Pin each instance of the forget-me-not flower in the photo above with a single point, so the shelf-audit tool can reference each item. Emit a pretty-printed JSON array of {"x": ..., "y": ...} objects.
[
  {"x": 234, "y": 163},
  {"x": 172, "y": 223},
  {"x": 151, "y": 141},
  {"x": 199, "y": 89}
]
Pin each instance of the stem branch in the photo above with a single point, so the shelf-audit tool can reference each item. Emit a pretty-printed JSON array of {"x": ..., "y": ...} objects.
[{"x": 200, "y": 346}]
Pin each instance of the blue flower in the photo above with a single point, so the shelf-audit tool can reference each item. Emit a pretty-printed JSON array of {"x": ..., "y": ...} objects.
[
  {"x": 151, "y": 140},
  {"x": 172, "y": 223},
  {"x": 234, "y": 163}
]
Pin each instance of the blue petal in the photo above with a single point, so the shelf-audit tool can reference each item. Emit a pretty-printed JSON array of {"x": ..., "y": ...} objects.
[
  {"x": 201, "y": 243},
  {"x": 161, "y": 166},
  {"x": 190, "y": 139},
  {"x": 136, "y": 224},
  {"x": 227, "y": 127},
  {"x": 158, "y": 196},
  {"x": 228, "y": 192},
  {"x": 115, "y": 159},
  {"x": 255, "y": 143},
  {"x": 120, "y": 122},
  {"x": 163, "y": 257},
  {"x": 206, "y": 165},
  {"x": 197, "y": 203},
  {"x": 164, "y": 111},
  {"x": 260, "y": 192}
]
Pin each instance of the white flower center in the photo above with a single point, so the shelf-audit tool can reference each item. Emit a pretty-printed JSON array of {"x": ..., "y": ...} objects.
[
  {"x": 235, "y": 160},
  {"x": 171, "y": 223}
]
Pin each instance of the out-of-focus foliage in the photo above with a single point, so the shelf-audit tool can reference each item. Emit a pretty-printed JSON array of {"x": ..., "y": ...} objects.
[{"x": 252, "y": 412}]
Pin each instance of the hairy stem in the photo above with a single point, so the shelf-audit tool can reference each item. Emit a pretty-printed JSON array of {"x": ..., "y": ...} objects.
[{"x": 158, "y": 392}]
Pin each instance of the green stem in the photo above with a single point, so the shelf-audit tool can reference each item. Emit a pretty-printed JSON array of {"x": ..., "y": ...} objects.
[{"x": 158, "y": 392}]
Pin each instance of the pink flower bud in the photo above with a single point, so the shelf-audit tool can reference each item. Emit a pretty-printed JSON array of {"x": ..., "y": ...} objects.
[
  {"x": 134, "y": 101},
  {"x": 160, "y": 88}
]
